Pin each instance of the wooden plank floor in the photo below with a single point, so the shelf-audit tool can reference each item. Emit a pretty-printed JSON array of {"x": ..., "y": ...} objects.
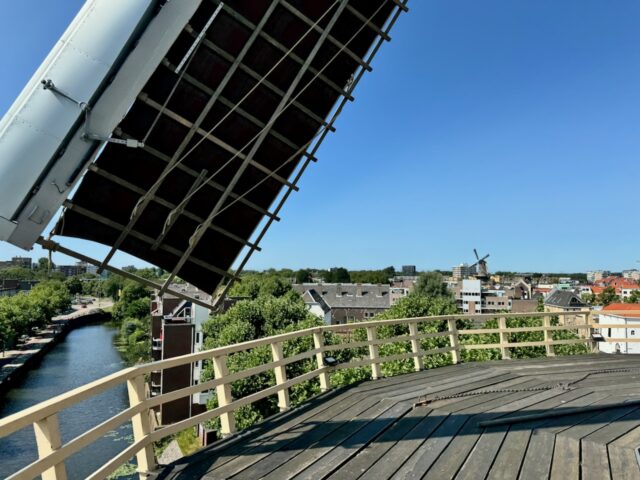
[{"x": 373, "y": 431}]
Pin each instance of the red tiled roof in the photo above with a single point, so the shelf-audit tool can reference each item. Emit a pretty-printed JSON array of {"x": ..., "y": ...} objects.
[{"x": 631, "y": 307}]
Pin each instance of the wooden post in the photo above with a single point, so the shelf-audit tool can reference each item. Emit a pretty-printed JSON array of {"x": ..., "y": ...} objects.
[
  {"x": 415, "y": 347},
  {"x": 373, "y": 353},
  {"x": 318, "y": 342},
  {"x": 141, "y": 426},
  {"x": 454, "y": 341},
  {"x": 504, "y": 339},
  {"x": 223, "y": 392},
  {"x": 548, "y": 337},
  {"x": 48, "y": 440},
  {"x": 281, "y": 376}
]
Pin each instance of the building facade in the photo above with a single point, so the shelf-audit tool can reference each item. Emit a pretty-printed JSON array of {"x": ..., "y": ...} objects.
[
  {"x": 339, "y": 303},
  {"x": 176, "y": 329},
  {"x": 618, "y": 335}
]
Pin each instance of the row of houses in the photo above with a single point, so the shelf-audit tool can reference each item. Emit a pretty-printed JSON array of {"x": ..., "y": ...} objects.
[{"x": 339, "y": 303}]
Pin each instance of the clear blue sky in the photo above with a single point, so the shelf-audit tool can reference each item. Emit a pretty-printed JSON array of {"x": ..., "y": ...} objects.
[{"x": 512, "y": 126}]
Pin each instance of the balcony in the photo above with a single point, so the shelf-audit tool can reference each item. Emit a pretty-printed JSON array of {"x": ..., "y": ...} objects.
[{"x": 538, "y": 418}]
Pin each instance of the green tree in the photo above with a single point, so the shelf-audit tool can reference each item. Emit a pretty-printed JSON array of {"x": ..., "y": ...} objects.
[
  {"x": 16, "y": 273},
  {"x": 303, "y": 276},
  {"x": 634, "y": 297},
  {"x": 112, "y": 286},
  {"x": 74, "y": 285},
  {"x": 608, "y": 296},
  {"x": 338, "y": 275},
  {"x": 431, "y": 284},
  {"x": 251, "y": 319}
]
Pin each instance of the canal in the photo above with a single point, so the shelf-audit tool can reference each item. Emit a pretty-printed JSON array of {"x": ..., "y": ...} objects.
[{"x": 87, "y": 353}]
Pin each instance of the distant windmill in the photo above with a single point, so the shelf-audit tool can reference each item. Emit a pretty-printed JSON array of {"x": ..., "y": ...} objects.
[{"x": 480, "y": 267}]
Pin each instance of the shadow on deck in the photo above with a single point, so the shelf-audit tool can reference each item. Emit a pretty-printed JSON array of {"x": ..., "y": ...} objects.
[{"x": 373, "y": 430}]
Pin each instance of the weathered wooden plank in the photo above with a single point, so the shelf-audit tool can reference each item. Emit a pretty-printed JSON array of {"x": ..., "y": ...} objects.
[
  {"x": 386, "y": 465},
  {"x": 376, "y": 450},
  {"x": 566, "y": 459},
  {"x": 623, "y": 463},
  {"x": 537, "y": 459},
  {"x": 459, "y": 450},
  {"x": 510, "y": 458},
  {"x": 282, "y": 448},
  {"x": 333, "y": 433},
  {"x": 596, "y": 422},
  {"x": 222, "y": 451},
  {"x": 263, "y": 438},
  {"x": 616, "y": 429},
  {"x": 595, "y": 461},
  {"x": 428, "y": 452},
  {"x": 336, "y": 456},
  {"x": 482, "y": 457}
]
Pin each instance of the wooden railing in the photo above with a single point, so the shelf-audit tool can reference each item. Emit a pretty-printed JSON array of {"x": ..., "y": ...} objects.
[{"x": 43, "y": 417}]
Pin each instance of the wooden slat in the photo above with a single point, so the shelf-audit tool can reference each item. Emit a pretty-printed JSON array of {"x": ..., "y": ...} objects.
[
  {"x": 387, "y": 465},
  {"x": 408, "y": 426},
  {"x": 338, "y": 455}
]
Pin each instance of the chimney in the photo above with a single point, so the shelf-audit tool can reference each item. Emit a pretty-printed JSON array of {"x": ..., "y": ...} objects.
[{"x": 358, "y": 290}]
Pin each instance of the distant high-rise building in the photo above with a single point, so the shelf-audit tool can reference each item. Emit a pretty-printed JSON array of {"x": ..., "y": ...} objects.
[
  {"x": 409, "y": 270},
  {"x": 22, "y": 262},
  {"x": 461, "y": 271},
  {"x": 597, "y": 275},
  {"x": 79, "y": 268}
]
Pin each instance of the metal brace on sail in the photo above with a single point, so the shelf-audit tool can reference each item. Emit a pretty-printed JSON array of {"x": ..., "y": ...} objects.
[{"x": 48, "y": 84}]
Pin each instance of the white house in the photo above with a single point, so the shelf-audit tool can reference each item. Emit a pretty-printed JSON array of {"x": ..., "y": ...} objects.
[
  {"x": 471, "y": 294},
  {"x": 629, "y": 316}
]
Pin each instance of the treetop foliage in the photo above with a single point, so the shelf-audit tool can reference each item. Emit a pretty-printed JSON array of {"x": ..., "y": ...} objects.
[{"x": 20, "y": 313}]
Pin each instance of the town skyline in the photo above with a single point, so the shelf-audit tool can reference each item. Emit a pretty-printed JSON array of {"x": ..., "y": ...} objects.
[{"x": 520, "y": 133}]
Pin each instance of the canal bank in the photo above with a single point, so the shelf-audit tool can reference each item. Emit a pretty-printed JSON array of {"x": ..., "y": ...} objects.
[
  {"x": 15, "y": 364},
  {"x": 85, "y": 354}
]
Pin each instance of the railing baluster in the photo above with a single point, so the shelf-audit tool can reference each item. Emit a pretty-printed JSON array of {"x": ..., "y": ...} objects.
[
  {"x": 454, "y": 341},
  {"x": 141, "y": 425},
  {"x": 48, "y": 440},
  {"x": 505, "y": 352},
  {"x": 548, "y": 336},
  {"x": 415, "y": 347},
  {"x": 223, "y": 392},
  {"x": 281, "y": 376},
  {"x": 372, "y": 335},
  {"x": 318, "y": 343}
]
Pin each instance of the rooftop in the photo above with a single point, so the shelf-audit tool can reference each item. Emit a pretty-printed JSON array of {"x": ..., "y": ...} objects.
[
  {"x": 564, "y": 299},
  {"x": 564, "y": 416},
  {"x": 623, "y": 307}
]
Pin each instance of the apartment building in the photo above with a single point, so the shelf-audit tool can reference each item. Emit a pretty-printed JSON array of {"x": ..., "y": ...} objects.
[
  {"x": 461, "y": 271},
  {"x": 471, "y": 296},
  {"x": 176, "y": 329}
]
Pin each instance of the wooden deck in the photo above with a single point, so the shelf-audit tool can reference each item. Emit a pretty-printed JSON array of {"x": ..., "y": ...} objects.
[{"x": 373, "y": 431}]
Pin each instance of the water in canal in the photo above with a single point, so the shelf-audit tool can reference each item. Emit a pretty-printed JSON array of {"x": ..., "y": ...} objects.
[{"x": 86, "y": 354}]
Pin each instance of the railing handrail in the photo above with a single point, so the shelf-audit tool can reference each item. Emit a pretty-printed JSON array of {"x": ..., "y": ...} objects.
[
  {"x": 98, "y": 386},
  {"x": 138, "y": 412}
]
